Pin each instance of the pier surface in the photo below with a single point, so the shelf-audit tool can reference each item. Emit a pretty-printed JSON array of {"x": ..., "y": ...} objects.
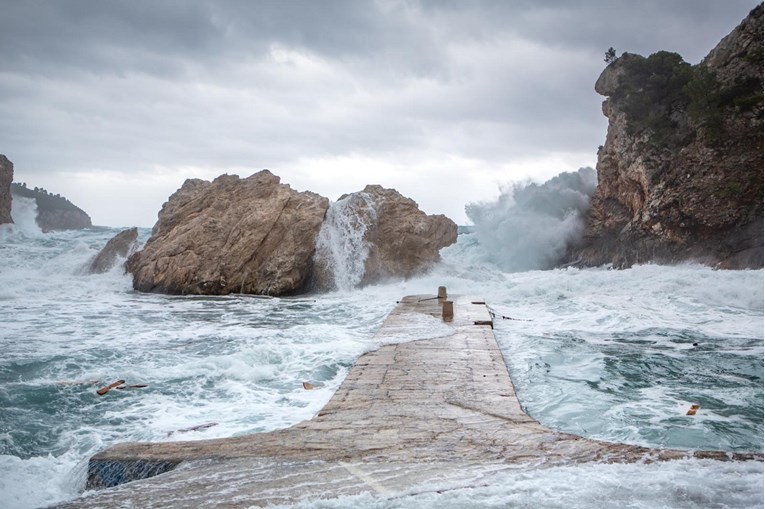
[{"x": 413, "y": 416}]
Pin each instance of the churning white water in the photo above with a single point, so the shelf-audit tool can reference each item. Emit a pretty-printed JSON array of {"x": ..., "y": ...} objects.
[
  {"x": 530, "y": 225},
  {"x": 24, "y": 213},
  {"x": 616, "y": 355}
]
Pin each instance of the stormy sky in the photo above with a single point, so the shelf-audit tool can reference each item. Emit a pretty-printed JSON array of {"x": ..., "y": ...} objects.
[{"x": 113, "y": 104}]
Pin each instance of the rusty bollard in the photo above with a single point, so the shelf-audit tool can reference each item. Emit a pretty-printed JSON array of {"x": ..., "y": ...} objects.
[
  {"x": 447, "y": 310},
  {"x": 441, "y": 292}
]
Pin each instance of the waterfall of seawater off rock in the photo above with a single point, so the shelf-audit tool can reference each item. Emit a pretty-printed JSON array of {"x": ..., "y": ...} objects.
[
  {"x": 341, "y": 249},
  {"x": 24, "y": 214}
]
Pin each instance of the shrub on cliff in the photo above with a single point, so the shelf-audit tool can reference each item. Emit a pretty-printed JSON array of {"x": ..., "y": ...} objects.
[
  {"x": 651, "y": 90},
  {"x": 45, "y": 200},
  {"x": 662, "y": 92}
]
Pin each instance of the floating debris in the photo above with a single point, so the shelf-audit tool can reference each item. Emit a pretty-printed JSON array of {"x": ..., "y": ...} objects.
[
  {"x": 104, "y": 390},
  {"x": 308, "y": 387},
  {"x": 136, "y": 386},
  {"x": 198, "y": 427},
  {"x": 693, "y": 410}
]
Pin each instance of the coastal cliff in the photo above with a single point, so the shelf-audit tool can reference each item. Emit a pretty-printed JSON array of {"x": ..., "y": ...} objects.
[
  {"x": 54, "y": 212},
  {"x": 6, "y": 177},
  {"x": 680, "y": 176}
]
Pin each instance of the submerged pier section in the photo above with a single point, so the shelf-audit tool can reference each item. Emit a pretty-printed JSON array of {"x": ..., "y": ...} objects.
[{"x": 434, "y": 409}]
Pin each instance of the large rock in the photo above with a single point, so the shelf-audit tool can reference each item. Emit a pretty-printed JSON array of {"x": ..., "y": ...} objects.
[
  {"x": 251, "y": 235},
  {"x": 377, "y": 234},
  {"x": 6, "y": 177},
  {"x": 680, "y": 176},
  {"x": 119, "y": 246}
]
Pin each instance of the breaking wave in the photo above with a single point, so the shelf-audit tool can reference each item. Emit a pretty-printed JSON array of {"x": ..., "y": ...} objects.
[
  {"x": 24, "y": 214},
  {"x": 530, "y": 225}
]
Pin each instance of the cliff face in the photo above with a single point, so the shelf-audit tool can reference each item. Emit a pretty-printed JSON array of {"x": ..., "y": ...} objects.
[
  {"x": 6, "y": 177},
  {"x": 680, "y": 176}
]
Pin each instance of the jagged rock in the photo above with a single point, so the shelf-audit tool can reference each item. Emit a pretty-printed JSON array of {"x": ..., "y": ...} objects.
[
  {"x": 680, "y": 176},
  {"x": 251, "y": 235},
  {"x": 119, "y": 246},
  {"x": 6, "y": 177},
  {"x": 382, "y": 234}
]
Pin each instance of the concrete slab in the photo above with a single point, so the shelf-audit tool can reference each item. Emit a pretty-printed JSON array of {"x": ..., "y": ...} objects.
[{"x": 437, "y": 411}]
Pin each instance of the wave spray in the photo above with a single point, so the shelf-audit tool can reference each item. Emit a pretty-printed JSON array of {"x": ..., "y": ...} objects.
[{"x": 530, "y": 225}]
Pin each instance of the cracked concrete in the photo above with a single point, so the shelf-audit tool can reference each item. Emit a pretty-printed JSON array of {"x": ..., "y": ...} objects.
[{"x": 429, "y": 414}]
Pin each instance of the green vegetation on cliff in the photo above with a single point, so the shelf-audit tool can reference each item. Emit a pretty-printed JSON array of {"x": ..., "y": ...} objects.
[
  {"x": 54, "y": 212},
  {"x": 664, "y": 94},
  {"x": 44, "y": 199}
]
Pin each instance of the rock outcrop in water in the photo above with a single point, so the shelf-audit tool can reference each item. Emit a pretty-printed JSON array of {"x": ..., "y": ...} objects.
[
  {"x": 119, "y": 246},
  {"x": 680, "y": 177},
  {"x": 377, "y": 234},
  {"x": 6, "y": 177},
  {"x": 54, "y": 212},
  {"x": 258, "y": 236},
  {"x": 251, "y": 235}
]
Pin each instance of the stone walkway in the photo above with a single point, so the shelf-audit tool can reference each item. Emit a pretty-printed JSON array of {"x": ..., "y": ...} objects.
[{"x": 428, "y": 414}]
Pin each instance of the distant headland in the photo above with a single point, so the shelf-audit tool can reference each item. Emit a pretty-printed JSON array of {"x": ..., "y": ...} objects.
[{"x": 54, "y": 212}]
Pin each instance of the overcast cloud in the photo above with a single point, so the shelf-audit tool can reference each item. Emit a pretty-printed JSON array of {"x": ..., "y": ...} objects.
[{"x": 114, "y": 104}]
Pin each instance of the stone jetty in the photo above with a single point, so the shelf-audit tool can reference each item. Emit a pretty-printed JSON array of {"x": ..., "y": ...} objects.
[{"x": 434, "y": 413}]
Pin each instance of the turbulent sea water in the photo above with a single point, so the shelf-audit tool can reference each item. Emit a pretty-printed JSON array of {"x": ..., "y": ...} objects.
[{"x": 613, "y": 355}]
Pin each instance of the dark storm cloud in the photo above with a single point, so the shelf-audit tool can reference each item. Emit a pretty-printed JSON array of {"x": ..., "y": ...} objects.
[
  {"x": 49, "y": 37},
  {"x": 161, "y": 37},
  {"x": 138, "y": 86}
]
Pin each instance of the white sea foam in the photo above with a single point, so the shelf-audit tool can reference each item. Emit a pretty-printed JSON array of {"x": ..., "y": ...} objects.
[
  {"x": 677, "y": 484},
  {"x": 24, "y": 214},
  {"x": 240, "y": 362}
]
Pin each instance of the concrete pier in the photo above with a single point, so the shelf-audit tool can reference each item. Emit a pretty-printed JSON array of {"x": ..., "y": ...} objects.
[{"x": 428, "y": 414}]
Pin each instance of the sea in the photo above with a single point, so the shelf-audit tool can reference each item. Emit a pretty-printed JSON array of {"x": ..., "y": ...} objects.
[{"x": 616, "y": 355}]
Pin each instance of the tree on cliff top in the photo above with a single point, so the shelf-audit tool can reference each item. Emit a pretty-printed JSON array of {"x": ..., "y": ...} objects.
[{"x": 610, "y": 55}]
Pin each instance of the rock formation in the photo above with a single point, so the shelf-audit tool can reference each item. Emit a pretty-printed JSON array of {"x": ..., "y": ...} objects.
[
  {"x": 680, "y": 177},
  {"x": 119, "y": 246},
  {"x": 54, "y": 212},
  {"x": 6, "y": 177},
  {"x": 251, "y": 235},
  {"x": 376, "y": 234},
  {"x": 258, "y": 236}
]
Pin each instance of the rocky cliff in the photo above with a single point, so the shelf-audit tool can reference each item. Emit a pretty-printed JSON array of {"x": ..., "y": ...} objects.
[
  {"x": 6, "y": 177},
  {"x": 231, "y": 235},
  {"x": 680, "y": 176}
]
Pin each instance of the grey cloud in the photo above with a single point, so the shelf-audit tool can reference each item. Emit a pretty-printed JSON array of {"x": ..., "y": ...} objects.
[{"x": 130, "y": 85}]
